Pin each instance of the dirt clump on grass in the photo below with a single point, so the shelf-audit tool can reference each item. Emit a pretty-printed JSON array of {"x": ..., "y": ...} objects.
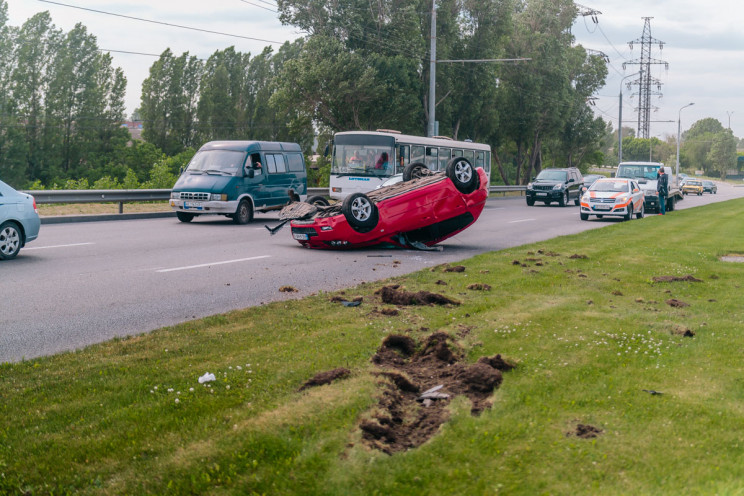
[
  {"x": 405, "y": 417},
  {"x": 480, "y": 287},
  {"x": 688, "y": 278},
  {"x": 673, "y": 302},
  {"x": 456, "y": 268},
  {"x": 327, "y": 377},
  {"x": 396, "y": 296},
  {"x": 585, "y": 431}
]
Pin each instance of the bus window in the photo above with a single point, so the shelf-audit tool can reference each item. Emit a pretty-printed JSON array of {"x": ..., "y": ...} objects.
[
  {"x": 480, "y": 160},
  {"x": 457, "y": 153},
  {"x": 470, "y": 155},
  {"x": 417, "y": 154},
  {"x": 444, "y": 156},
  {"x": 431, "y": 158},
  {"x": 487, "y": 167},
  {"x": 404, "y": 158}
]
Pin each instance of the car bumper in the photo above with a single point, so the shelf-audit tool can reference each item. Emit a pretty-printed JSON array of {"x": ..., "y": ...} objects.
[
  {"x": 604, "y": 209},
  {"x": 204, "y": 207},
  {"x": 549, "y": 195}
]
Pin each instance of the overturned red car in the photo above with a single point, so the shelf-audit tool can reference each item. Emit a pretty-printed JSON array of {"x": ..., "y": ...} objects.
[{"x": 422, "y": 210}]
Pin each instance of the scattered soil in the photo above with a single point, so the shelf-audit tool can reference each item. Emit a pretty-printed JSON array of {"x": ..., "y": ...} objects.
[
  {"x": 480, "y": 287},
  {"x": 288, "y": 289},
  {"x": 673, "y": 302},
  {"x": 327, "y": 377},
  {"x": 617, "y": 293},
  {"x": 585, "y": 431},
  {"x": 548, "y": 253},
  {"x": 689, "y": 278},
  {"x": 341, "y": 299},
  {"x": 683, "y": 331},
  {"x": 391, "y": 312},
  {"x": 456, "y": 268},
  {"x": 441, "y": 282},
  {"x": 576, "y": 256},
  {"x": 403, "y": 420},
  {"x": 396, "y": 296}
]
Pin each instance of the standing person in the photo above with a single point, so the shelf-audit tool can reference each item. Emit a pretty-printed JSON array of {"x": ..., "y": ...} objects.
[{"x": 662, "y": 189}]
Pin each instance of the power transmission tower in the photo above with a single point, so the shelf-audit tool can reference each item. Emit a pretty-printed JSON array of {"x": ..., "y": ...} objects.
[{"x": 645, "y": 80}]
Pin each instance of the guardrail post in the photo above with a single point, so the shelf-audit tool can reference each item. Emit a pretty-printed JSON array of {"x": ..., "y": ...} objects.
[{"x": 121, "y": 207}]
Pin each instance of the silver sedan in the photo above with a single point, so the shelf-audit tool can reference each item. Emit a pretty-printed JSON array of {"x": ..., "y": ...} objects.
[{"x": 19, "y": 221}]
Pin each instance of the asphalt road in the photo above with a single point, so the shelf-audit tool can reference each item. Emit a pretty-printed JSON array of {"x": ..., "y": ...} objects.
[{"x": 84, "y": 283}]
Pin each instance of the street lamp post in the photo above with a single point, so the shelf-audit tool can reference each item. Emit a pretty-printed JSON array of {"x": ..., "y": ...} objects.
[
  {"x": 679, "y": 126},
  {"x": 620, "y": 118}
]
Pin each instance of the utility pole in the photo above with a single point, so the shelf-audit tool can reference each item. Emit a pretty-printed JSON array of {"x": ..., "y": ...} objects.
[
  {"x": 431, "y": 131},
  {"x": 729, "y": 116},
  {"x": 620, "y": 117},
  {"x": 646, "y": 80}
]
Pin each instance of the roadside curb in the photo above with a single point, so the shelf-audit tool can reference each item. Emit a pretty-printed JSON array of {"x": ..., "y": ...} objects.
[{"x": 64, "y": 219}]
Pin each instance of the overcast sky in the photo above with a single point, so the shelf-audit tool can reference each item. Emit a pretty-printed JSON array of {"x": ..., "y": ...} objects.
[{"x": 704, "y": 46}]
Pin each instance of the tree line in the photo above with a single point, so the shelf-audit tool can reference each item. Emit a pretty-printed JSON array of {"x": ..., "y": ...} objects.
[{"x": 361, "y": 66}]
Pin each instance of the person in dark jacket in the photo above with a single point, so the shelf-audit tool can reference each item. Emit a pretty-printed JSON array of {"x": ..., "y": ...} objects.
[{"x": 662, "y": 189}]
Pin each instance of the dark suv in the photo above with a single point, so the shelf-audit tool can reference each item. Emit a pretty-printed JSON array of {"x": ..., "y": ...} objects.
[{"x": 556, "y": 185}]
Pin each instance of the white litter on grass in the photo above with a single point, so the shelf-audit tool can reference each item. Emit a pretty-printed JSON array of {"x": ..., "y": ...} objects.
[{"x": 207, "y": 378}]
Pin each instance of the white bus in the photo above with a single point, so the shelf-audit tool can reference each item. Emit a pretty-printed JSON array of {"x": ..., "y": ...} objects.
[{"x": 362, "y": 160}]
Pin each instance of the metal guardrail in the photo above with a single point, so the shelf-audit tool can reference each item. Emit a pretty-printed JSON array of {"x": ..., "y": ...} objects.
[{"x": 122, "y": 196}]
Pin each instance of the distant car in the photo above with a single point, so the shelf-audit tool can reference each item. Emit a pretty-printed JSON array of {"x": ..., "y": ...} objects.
[
  {"x": 589, "y": 180},
  {"x": 555, "y": 185},
  {"x": 618, "y": 196},
  {"x": 422, "y": 209},
  {"x": 692, "y": 187},
  {"x": 19, "y": 221},
  {"x": 682, "y": 178},
  {"x": 710, "y": 187}
]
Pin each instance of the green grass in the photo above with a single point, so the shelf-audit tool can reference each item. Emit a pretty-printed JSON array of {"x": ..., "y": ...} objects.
[{"x": 588, "y": 335}]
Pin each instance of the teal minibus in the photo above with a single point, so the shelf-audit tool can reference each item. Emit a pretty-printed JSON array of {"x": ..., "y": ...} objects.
[{"x": 238, "y": 178}]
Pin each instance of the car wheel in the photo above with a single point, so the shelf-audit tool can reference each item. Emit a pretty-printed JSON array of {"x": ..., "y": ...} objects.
[
  {"x": 415, "y": 171},
  {"x": 642, "y": 213},
  {"x": 462, "y": 173},
  {"x": 318, "y": 200},
  {"x": 629, "y": 215},
  {"x": 577, "y": 201},
  {"x": 564, "y": 199},
  {"x": 244, "y": 213},
  {"x": 670, "y": 205},
  {"x": 10, "y": 240},
  {"x": 185, "y": 216},
  {"x": 700, "y": 194},
  {"x": 584, "y": 216},
  {"x": 600, "y": 216},
  {"x": 360, "y": 212},
  {"x": 546, "y": 202},
  {"x": 530, "y": 202}
]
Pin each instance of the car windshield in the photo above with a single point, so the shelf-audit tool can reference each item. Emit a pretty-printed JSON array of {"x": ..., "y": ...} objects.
[
  {"x": 693, "y": 182},
  {"x": 217, "y": 162},
  {"x": 552, "y": 175},
  {"x": 611, "y": 186},
  {"x": 644, "y": 171}
]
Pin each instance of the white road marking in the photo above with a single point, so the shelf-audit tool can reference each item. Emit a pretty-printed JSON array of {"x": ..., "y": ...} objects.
[
  {"x": 56, "y": 246},
  {"x": 521, "y": 220},
  {"x": 212, "y": 263}
]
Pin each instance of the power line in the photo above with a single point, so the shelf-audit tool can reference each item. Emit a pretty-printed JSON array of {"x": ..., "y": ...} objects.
[
  {"x": 259, "y": 6},
  {"x": 162, "y": 23}
]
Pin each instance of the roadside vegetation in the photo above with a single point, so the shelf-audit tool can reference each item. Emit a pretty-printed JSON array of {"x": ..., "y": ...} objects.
[{"x": 626, "y": 350}]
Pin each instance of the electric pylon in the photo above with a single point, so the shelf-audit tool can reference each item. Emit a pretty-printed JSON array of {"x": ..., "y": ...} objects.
[{"x": 645, "y": 80}]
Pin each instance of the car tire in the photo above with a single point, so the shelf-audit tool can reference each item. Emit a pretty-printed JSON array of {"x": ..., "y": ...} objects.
[
  {"x": 318, "y": 200},
  {"x": 244, "y": 213},
  {"x": 564, "y": 199},
  {"x": 360, "y": 212},
  {"x": 642, "y": 213},
  {"x": 530, "y": 202},
  {"x": 670, "y": 205},
  {"x": 463, "y": 175},
  {"x": 415, "y": 171},
  {"x": 577, "y": 201},
  {"x": 600, "y": 216},
  {"x": 584, "y": 216},
  {"x": 629, "y": 215},
  {"x": 185, "y": 216},
  {"x": 10, "y": 240}
]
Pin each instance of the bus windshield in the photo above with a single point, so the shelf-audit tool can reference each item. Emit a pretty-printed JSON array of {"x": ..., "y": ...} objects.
[{"x": 363, "y": 160}]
